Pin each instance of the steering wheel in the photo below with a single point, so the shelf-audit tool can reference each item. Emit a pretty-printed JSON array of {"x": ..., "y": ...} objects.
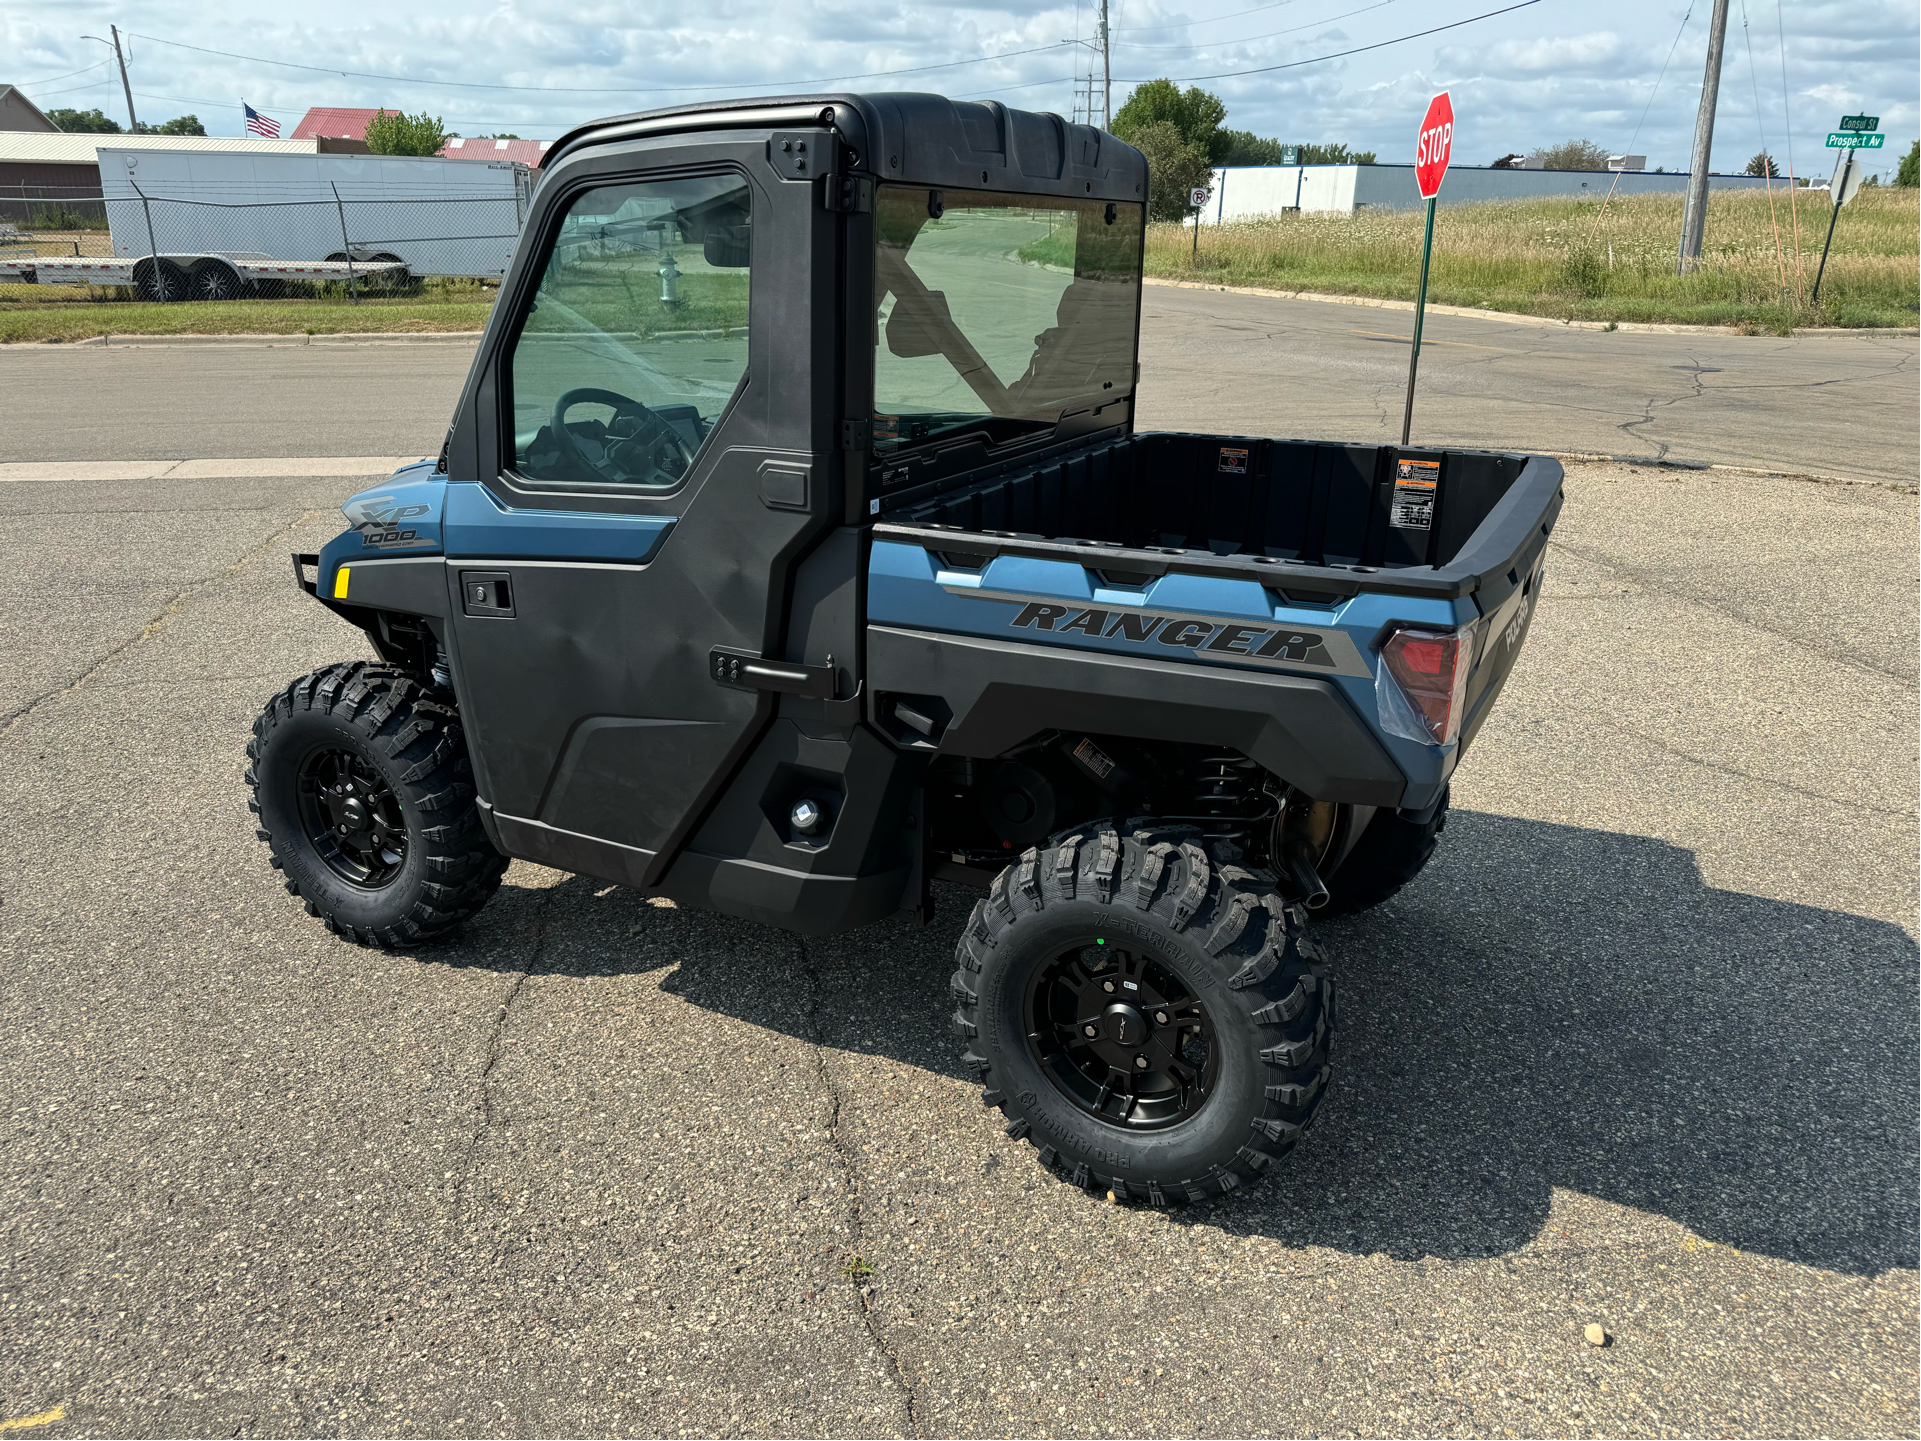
[{"x": 639, "y": 446}]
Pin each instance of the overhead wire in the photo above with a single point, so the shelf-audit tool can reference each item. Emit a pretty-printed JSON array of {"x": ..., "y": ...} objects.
[
  {"x": 1189, "y": 24},
  {"x": 628, "y": 88},
  {"x": 1681, "y": 30},
  {"x": 1787, "y": 117},
  {"x": 1249, "y": 39},
  {"x": 1357, "y": 50},
  {"x": 1767, "y": 160},
  {"x": 49, "y": 79}
]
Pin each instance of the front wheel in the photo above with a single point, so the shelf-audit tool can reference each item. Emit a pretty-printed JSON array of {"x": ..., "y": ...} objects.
[
  {"x": 1145, "y": 1012},
  {"x": 365, "y": 799}
]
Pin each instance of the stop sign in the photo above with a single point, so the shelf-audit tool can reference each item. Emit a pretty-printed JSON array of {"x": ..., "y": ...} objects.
[{"x": 1436, "y": 143}]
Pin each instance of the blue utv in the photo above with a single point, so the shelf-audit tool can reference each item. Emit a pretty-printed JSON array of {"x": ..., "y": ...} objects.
[{"x": 793, "y": 548}]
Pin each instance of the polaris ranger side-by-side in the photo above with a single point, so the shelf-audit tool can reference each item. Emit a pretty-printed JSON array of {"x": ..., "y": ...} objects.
[{"x": 793, "y": 548}]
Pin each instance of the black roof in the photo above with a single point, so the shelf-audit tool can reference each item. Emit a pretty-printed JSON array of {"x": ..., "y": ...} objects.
[{"x": 915, "y": 138}]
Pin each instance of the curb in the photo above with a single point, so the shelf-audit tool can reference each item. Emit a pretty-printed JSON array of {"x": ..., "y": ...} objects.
[
  {"x": 1655, "y": 462},
  {"x": 1514, "y": 318},
  {"x": 371, "y": 337}
]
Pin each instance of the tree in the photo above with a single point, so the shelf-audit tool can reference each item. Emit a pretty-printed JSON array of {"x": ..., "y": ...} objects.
[
  {"x": 1763, "y": 164},
  {"x": 499, "y": 135},
  {"x": 1510, "y": 161},
  {"x": 1175, "y": 165},
  {"x": 1194, "y": 113},
  {"x": 1909, "y": 174},
  {"x": 84, "y": 122},
  {"x": 1244, "y": 147},
  {"x": 1335, "y": 155},
  {"x": 1568, "y": 155},
  {"x": 392, "y": 132},
  {"x": 181, "y": 125}
]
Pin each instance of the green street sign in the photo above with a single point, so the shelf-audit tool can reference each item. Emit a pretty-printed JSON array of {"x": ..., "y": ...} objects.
[
  {"x": 1860, "y": 122},
  {"x": 1853, "y": 140}
]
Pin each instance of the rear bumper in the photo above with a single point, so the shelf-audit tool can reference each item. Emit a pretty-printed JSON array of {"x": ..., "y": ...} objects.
[{"x": 998, "y": 693}]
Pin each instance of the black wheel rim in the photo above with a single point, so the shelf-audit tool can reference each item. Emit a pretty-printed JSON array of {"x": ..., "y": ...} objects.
[
  {"x": 352, "y": 817},
  {"x": 1122, "y": 1035}
]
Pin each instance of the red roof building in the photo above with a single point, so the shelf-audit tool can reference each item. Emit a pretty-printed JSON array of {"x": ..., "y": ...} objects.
[{"x": 343, "y": 124}]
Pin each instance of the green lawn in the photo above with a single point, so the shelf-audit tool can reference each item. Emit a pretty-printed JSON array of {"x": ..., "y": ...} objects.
[{"x": 1575, "y": 259}]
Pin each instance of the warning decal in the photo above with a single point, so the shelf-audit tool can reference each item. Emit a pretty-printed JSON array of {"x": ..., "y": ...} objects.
[
  {"x": 1415, "y": 485},
  {"x": 1233, "y": 462}
]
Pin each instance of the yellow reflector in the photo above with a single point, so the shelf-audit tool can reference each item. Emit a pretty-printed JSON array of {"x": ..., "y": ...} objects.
[{"x": 340, "y": 583}]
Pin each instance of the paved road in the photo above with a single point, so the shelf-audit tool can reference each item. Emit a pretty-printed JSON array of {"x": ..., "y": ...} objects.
[
  {"x": 1821, "y": 404},
  {"x": 1829, "y": 405},
  {"x": 1639, "y": 1049}
]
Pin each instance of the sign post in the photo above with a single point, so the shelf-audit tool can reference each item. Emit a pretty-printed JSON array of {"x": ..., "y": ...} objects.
[
  {"x": 1847, "y": 180},
  {"x": 1197, "y": 197},
  {"x": 1431, "y": 151}
]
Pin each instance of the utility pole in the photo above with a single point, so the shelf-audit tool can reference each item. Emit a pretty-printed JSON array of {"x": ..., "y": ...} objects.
[
  {"x": 133, "y": 122},
  {"x": 1694, "y": 218},
  {"x": 1107, "y": 75},
  {"x": 114, "y": 30}
]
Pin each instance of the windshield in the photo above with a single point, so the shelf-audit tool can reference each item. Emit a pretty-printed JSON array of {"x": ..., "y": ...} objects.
[{"x": 997, "y": 315}]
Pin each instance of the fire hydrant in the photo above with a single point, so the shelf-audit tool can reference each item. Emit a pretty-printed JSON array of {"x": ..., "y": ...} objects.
[{"x": 669, "y": 273}]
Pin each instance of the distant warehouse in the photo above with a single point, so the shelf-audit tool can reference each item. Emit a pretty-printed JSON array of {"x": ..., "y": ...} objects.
[{"x": 1242, "y": 192}]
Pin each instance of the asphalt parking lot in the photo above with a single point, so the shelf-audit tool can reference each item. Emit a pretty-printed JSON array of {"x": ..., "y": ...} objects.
[{"x": 1639, "y": 1049}]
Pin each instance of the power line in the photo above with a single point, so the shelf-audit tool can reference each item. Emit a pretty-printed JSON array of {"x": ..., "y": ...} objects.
[
  {"x": 1189, "y": 24},
  {"x": 1357, "y": 50},
  {"x": 49, "y": 79},
  {"x": 71, "y": 89},
  {"x": 1248, "y": 39},
  {"x": 628, "y": 88}
]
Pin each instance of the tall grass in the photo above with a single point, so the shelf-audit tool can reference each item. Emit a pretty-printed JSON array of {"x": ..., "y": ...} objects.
[{"x": 1575, "y": 259}]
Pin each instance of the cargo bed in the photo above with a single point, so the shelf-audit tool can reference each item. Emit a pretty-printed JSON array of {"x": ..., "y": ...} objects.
[{"x": 1319, "y": 519}]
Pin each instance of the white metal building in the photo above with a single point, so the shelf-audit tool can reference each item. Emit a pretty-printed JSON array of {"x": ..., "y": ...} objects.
[{"x": 1244, "y": 191}]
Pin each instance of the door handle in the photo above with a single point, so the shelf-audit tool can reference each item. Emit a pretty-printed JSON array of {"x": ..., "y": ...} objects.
[{"x": 744, "y": 670}]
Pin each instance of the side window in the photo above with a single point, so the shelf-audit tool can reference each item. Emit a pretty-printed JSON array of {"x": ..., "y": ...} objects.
[{"x": 637, "y": 336}]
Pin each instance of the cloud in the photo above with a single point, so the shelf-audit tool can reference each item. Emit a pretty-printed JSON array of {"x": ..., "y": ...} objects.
[{"x": 1529, "y": 77}]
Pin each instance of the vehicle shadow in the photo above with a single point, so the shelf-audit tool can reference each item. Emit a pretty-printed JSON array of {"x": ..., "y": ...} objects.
[{"x": 1546, "y": 1006}]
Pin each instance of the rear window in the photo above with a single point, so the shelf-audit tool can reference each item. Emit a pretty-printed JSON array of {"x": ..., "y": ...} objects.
[{"x": 996, "y": 315}]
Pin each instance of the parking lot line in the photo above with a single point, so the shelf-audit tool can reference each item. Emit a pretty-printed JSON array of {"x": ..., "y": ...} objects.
[{"x": 211, "y": 469}]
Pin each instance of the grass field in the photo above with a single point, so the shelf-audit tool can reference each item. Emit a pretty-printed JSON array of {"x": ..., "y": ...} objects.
[
  {"x": 58, "y": 312},
  {"x": 1575, "y": 259},
  {"x": 1570, "y": 259}
]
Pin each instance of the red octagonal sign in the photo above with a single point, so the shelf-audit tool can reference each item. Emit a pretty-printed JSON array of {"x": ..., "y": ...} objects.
[{"x": 1434, "y": 146}]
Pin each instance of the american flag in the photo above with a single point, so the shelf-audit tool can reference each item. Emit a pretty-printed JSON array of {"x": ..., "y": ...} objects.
[{"x": 258, "y": 124}]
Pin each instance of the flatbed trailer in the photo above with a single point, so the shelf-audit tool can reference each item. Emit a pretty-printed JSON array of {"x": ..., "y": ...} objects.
[{"x": 188, "y": 276}]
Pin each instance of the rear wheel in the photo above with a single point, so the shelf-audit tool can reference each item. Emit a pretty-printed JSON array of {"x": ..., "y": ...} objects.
[
  {"x": 213, "y": 280},
  {"x": 159, "y": 280},
  {"x": 1391, "y": 852},
  {"x": 1145, "y": 1012},
  {"x": 365, "y": 798}
]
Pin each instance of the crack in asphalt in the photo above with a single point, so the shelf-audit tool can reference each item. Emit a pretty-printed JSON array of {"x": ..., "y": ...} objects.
[
  {"x": 1654, "y": 583},
  {"x": 174, "y": 604},
  {"x": 1601, "y": 719},
  {"x": 496, "y": 1035},
  {"x": 850, "y": 1171}
]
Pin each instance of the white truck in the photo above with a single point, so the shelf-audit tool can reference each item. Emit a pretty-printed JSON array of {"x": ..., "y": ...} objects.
[{"x": 211, "y": 225}]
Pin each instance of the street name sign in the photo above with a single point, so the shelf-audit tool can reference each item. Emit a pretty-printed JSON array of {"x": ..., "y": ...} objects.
[
  {"x": 1860, "y": 122},
  {"x": 1854, "y": 140}
]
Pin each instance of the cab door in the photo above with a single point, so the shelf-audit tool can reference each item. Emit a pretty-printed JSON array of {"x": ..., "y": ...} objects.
[{"x": 638, "y": 463}]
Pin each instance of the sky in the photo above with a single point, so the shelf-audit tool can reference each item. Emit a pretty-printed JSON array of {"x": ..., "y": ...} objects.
[{"x": 1626, "y": 75}]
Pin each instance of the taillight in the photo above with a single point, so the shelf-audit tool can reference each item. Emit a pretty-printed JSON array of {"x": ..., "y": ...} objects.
[{"x": 1422, "y": 684}]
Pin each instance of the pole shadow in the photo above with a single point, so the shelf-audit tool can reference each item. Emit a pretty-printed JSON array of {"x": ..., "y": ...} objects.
[{"x": 1546, "y": 1006}]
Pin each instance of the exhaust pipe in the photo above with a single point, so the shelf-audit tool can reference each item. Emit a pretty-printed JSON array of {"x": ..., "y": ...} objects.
[{"x": 1310, "y": 890}]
